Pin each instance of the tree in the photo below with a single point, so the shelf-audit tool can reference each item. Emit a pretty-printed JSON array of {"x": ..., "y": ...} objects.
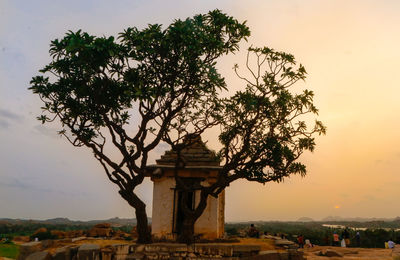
[
  {"x": 263, "y": 132},
  {"x": 127, "y": 94}
]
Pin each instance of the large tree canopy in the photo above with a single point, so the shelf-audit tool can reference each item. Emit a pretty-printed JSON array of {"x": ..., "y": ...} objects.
[
  {"x": 161, "y": 85},
  {"x": 263, "y": 131},
  {"x": 153, "y": 78}
]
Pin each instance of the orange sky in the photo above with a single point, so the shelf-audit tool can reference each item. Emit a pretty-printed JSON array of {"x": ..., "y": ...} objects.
[{"x": 350, "y": 51}]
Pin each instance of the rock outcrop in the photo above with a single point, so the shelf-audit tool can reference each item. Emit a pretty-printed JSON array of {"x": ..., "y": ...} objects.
[{"x": 100, "y": 230}]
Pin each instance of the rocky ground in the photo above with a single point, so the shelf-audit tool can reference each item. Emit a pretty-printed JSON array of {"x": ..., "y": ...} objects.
[
  {"x": 318, "y": 252},
  {"x": 269, "y": 243}
]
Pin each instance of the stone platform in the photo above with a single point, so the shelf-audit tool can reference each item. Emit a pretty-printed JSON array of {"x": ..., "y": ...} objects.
[{"x": 36, "y": 251}]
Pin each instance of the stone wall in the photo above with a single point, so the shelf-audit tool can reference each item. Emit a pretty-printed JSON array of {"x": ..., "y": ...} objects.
[
  {"x": 35, "y": 251},
  {"x": 163, "y": 207},
  {"x": 210, "y": 225}
]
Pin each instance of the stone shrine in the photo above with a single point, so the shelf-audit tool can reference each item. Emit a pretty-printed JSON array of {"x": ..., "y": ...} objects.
[{"x": 200, "y": 165}]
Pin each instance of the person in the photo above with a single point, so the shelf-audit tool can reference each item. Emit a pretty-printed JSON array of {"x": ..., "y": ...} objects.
[
  {"x": 343, "y": 243},
  {"x": 326, "y": 240},
  {"x": 300, "y": 241},
  {"x": 308, "y": 243},
  {"x": 391, "y": 244},
  {"x": 358, "y": 239},
  {"x": 253, "y": 232},
  {"x": 335, "y": 239},
  {"x": 346, "y": 236}
]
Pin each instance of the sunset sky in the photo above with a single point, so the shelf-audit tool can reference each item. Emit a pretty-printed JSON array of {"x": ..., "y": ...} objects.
[{"x": 349, "y": 48}]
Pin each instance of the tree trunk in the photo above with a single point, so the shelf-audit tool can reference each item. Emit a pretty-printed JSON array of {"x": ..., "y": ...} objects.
[
  {"x": 190, "y": 217},
  {"x": 187, "y": 234},
  {"x": 142, "y": 226},
  {"x": 141, "y": 216}
]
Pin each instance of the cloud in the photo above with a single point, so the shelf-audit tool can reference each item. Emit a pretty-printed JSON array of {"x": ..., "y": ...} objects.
[
  {"x": 41, "y": 129},
  {"x": 4, "y": 124},
  {"x": 18, "y": 184},
  {"x": 7, "y": 118},
  {"x": 9, "y": 115}
]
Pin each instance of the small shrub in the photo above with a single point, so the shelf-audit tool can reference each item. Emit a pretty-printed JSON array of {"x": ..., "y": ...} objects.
[{"x": 44, "y": 236}]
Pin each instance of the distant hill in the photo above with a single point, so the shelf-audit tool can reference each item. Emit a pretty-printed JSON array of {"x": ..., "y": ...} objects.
[
  {"x": 357, "y": 219},
  {"x": 305, "y": 219},
  {"x": 65, "y": 221}
]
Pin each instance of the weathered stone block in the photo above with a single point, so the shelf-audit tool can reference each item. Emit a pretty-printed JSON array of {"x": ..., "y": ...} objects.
[
  {"x": 137, "y": 248},
  {"x": 284, "y": 256},
  {"x": 29, "y": 248},
  {"x": 89, "y": 252},
  {"x": 119, "y": 257},
  {"x": 121, "y": 249},
  {"x": 214, "y": 249},
  {"x": 163, "y": 255},
  {"x": 135, "y": 256},
  {"x": 165, "y": 247},
  {"x": 107, "y": 253},
  {"x": 63, "y": 253},
  {"x": 245, "y": 250},
  {"x": 151, "y": 255},
  {"x": 39, "y": 256}
]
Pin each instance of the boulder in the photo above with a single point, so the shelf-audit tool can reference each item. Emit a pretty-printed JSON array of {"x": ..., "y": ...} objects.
[
  {"x": 283, "y": 242},
  {"x": 77, "y": 239},
  {"x": 40, "y": 230},
  {"x": 332, "y": 253},
  {"x": 74, "y": 233},
  {"x": 99, "y": 232},
  {"x": 63, "y": 253},
  {"x": 28, "y": 248},
  {"x": 39, "y": 256},
  {"x": 59, "y": 234},
  {"x": 48, "y": 243},
  {"x": 102, "y": 225},
  {"x": 396, "y": 252},
  {"x": 21, "y": 239},
  {"x": 118, "y": 234}
]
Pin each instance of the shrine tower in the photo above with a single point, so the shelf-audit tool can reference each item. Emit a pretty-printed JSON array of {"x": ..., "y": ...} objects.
[{"x": 201, "y": 166}]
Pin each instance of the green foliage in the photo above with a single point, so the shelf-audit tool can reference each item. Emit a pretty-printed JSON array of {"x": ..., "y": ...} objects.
[
  {"x": 97, "y": 79},
  {"x": 232, "y": 231},
  {"x": 263, "y": 128},
  {"x": 320, "y": 235},
  {"x": 9, "y": 250},
  {"x": 27, "y": 229},
  {"x": 166, "y": 82},
  {"x": 43, "y": 236}
]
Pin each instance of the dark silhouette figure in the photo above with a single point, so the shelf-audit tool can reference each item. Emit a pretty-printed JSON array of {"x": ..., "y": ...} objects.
[
  {"x": 253, "y": 232},
  {"x": 346, "y": 237},
  {"x": 358, "y": 239},
  {"x": 300, "y": 241}
]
